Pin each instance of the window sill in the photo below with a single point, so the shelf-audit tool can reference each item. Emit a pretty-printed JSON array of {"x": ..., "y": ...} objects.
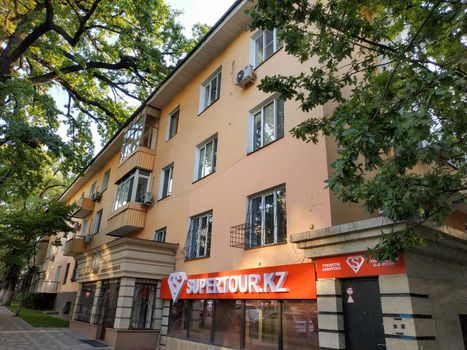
[
  {"x": 267, "y": 59},
  {"x": 207, "y": 107},
  {"x": 198, "y": 258},
  {"x": 202, "y": 178},
  {"x": 263, "y": 147},
  {"x": 266, "y": 245},
  {"x": 162, "y": 198}
]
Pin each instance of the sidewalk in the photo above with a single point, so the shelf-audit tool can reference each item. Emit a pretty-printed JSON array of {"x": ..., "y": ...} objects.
[{"x": 16, "y": 334}]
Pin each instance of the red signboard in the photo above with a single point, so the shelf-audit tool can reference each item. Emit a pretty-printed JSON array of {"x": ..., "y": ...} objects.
[
  {"x": 276, "y": 282},
  {"x": 357, "y": 265}
]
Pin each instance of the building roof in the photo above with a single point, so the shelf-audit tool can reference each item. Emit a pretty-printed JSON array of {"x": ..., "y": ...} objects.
[{"x": 224, "y": 31}]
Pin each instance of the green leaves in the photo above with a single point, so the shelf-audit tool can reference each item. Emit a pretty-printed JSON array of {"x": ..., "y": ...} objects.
[{"x": 396, "y": 73}]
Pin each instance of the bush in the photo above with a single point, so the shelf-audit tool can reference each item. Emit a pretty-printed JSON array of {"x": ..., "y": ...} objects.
[{"x": 39, "y": 301}]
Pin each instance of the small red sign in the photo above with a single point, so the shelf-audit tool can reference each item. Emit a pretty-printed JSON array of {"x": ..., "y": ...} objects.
[
  {"x": 357, "y": 265},
  {"x": 296, "y": 281}
]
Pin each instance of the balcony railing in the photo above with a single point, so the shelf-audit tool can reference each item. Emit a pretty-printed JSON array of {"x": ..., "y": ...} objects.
[
  {"x": 128, "y": 219},
  {"x": 49, "y": 287},
  {"x": 85, "y": 206},
  {"x": 263, "y": 227}
]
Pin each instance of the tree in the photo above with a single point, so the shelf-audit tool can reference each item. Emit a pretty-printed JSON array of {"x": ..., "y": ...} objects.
[
  {"x": 20, "y": 232},
  {"x": 103, "y": 55},
  {"x": 401, "y": 131}
]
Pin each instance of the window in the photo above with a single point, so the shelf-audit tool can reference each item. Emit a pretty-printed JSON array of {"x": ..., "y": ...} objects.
[
  {"x": 75, "y": 272},
  {"x": 247, "y": 324},
  {"x": 132, "y": 188},
  {"x": 172, "y": 125},
  {"x": 159, "y": 235},
  {"x": 141, "y": 132},
  {"x": 210, "y": 90},
  {"x": 166, "y": 181},
  {"x": 267, "y": 124},
  {"x": 199, "y": 236},
  {"x": 67, "y": 270},
  {"x": 57, "y": 274},
  {"x": 105, "y": 180},
  {"x": 265, "y": 44},
  {"x": 266, "y": 218},
  {"x": 85, "y": 301},
  {"x": 84, "y": 228},
  {"x": 97, "y": 222},
  {"x": 132, "y": 138},
  {"x": 92, "y": 190},
  {"x": 206, "y": 154},
  {"x": 143, "y": 304}
]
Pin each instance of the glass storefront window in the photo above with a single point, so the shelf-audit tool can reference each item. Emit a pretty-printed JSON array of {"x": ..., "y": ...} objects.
[
  {"x": 228, "y": 323},
  {"x": 85, "y": 301},
  {"x": 299, "y": 325},
  {"x": 247, "y": 324},
  {"x": 143, "y": 304},
  {"x": 262, "y": 324},
  {"x": 179, "y": 319},
  {"x": 201, "y": 320}
]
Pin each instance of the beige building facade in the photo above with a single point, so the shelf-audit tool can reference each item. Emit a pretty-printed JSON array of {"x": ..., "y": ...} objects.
[{"x": 202, "y": 222}]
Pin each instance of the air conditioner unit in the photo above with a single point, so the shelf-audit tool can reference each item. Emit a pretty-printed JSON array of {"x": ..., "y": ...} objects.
[
  {"x": 245, "y": 76},
  {"x": 87, "y": 239},
  {"x": 96, "y": 196},
  {"x": 147, "y": 198}
]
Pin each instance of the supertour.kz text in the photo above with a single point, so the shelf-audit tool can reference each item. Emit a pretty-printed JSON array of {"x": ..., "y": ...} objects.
[{"x": 248, "y": 283}]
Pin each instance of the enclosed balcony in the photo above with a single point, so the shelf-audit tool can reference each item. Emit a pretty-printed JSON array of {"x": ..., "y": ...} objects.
[
  {"x": 85, "y": 206},
  {"x": 127, "y": 219},
  {"x": 141, "y": 158},
  {"x": 74, "y": 247}
]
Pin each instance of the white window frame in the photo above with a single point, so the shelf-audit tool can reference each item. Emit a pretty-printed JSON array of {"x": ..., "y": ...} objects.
[
  {"x": 263, "y": 195},
  {"x": 251, "y": 122},
  {"x": 194, "y": 246},
  {"x": 170, "y": 116},
  {"x": 160, "y": 234},
  {"x": 199, "y": 171},
  {"x": 277, "y": 44},
  {"x": 167, "y": 171},
  {"x": 135, "y": 176},
  {"x": 205, "y": 98}
]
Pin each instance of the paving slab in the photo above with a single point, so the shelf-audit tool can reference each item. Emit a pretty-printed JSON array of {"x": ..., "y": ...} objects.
[{"x": 16, "y": 334}]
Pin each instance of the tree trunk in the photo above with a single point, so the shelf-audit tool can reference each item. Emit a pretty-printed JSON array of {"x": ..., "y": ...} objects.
[
  {"x": 25, "y": 285},
  {"x": 3, "y": 291},
  {"x": 8, "y": 295}
]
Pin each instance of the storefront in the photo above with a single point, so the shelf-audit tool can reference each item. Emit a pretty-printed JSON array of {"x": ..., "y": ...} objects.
[{"x": 261, "y": 308}]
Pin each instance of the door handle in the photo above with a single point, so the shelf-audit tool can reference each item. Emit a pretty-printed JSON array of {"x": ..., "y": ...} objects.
[{"x": 381, "y": 345}]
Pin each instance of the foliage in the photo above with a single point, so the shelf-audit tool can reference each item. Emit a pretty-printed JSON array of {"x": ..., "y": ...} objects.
[
  {"x": 103, "y": 56},
  {"x": 37, "y": 318},
  {"x": 396, "y": 72}
]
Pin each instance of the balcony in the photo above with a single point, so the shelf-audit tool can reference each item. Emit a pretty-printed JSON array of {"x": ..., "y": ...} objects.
[
  {"x": 142, "y": 158},
  {"x": 49, "y": 287},
  {"x": 85, "y": 206},
  {"x": 128, "y": 219},
  {"x": 74, "y": 246}
]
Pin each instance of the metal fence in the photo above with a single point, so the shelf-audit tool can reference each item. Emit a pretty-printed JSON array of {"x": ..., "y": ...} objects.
[{"x": 46, "y": 287}]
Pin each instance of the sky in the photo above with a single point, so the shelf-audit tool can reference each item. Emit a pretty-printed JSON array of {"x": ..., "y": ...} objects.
[{"x": 204, "y": 11}]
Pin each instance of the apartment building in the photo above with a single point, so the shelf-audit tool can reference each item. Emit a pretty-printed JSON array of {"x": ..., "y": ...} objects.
[{"x": 203, "y": 224}]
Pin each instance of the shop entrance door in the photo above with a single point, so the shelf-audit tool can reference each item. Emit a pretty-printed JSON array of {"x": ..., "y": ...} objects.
[
  {"x": 107, "y": 305},
  {"x": 363, "y": 318}
]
